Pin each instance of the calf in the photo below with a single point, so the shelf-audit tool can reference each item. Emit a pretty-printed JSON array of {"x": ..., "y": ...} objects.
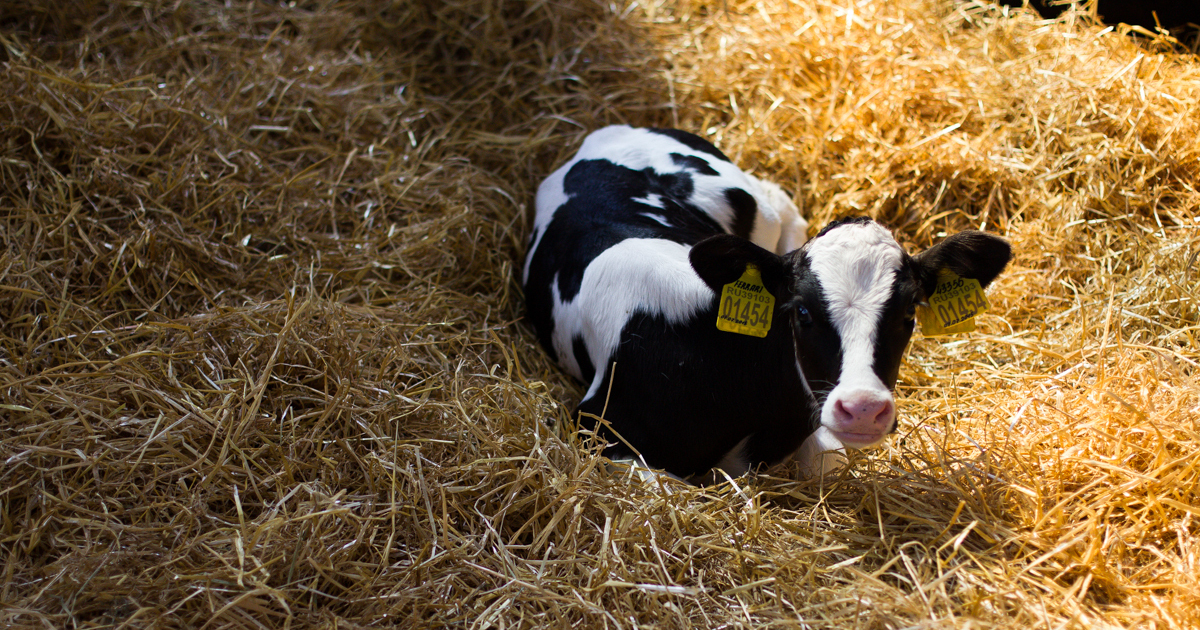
[{"x": 637, "y": 243}]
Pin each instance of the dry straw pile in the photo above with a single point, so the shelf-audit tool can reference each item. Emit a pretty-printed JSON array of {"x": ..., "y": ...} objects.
[{"x": 261, "y": 362}]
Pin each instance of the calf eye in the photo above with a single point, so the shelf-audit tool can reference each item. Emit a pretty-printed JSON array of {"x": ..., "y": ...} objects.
[
  {"x": 803, "y": 317},
  {"x": 911, "y": 313}
]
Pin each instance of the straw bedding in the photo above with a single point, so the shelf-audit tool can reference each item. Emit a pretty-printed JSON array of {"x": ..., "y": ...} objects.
[{"x": 262, "y": 364}]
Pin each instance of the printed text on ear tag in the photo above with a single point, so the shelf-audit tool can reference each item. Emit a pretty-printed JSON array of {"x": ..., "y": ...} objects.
[
  {"x": 746, "y": 305},
  {"x": 953, "y": 306}
]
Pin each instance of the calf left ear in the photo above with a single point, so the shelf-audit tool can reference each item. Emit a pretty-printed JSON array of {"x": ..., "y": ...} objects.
[
  {"x": 970, "y": 254},
  {"x": 721, "y": 259}
]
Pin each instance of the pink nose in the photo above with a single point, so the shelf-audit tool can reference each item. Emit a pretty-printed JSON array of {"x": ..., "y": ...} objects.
[{"x": 864, "y": 412}]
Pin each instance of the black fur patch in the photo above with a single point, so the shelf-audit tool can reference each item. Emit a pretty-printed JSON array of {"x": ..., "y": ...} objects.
[
  {"x": 693, "y": 142},
  {"x": 694, "y": 163},
  {"x": 579, "y": 348},
  {"x": 744, "y": 211}
]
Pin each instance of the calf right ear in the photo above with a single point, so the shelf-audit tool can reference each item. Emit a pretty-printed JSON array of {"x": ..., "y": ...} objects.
[{"x": 721, "y": 259}]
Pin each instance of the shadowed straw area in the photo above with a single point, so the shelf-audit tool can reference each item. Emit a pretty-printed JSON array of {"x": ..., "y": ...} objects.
[{"x": 261, "y": 362}]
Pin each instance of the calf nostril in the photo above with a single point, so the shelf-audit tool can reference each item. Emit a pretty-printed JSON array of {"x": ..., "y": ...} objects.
[
  {"x": 884, "y": 415},
  {"x": 871, "y": 410},
  {"x": 840, "y": 412}
]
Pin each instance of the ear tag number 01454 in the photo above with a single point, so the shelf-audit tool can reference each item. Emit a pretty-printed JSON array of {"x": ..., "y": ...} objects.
[
  {"x": 953, "y": 306},
  {"x": 746, "y": 305}
]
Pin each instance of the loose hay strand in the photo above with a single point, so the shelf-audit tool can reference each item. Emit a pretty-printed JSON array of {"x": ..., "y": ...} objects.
[{"x": 261, "y": 362}]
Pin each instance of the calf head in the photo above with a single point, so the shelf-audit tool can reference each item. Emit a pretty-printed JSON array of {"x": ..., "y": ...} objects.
[{"x": 850, "y": 296}]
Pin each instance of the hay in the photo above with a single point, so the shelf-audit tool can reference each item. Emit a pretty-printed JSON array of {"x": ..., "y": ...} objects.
[{"x": 260, "y": 363}]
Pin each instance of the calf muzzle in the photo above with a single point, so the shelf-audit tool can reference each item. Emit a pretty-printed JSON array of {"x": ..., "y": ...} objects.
[{"x": 862, "y": 418}]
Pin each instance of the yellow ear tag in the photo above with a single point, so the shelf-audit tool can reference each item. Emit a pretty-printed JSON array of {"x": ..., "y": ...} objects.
[
  {"x": 746, "y": 305},
  {"x": 953, "y": 306}
]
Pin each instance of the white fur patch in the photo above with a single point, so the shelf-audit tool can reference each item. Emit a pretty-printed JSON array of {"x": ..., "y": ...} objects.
[
  {"x": 793, "y": 229},
  {"x": 735, "y": 463},
  {"x": 820, "y": 454},
  {"x": 652, "y": 200},
  {"x": 657, "y": 218},
  {"x": 856, "y": 265},
  {"x": 651, "y": 276},
  {"x": 550, "y": 197}
]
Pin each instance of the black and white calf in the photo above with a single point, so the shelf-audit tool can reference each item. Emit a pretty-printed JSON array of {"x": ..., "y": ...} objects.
[{"x": 635, "y": 239}]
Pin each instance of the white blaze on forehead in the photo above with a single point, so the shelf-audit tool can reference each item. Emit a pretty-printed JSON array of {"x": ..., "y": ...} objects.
[{"x": 856, "y": 266}]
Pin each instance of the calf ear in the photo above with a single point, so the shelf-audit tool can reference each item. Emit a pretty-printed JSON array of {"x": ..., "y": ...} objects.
[
  {"x": 970, "y": 254},
  {"x": 721, "y": 259}
]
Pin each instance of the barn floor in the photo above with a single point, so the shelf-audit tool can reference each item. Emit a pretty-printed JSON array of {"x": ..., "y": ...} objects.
[{"x": 262, "y": 363}]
